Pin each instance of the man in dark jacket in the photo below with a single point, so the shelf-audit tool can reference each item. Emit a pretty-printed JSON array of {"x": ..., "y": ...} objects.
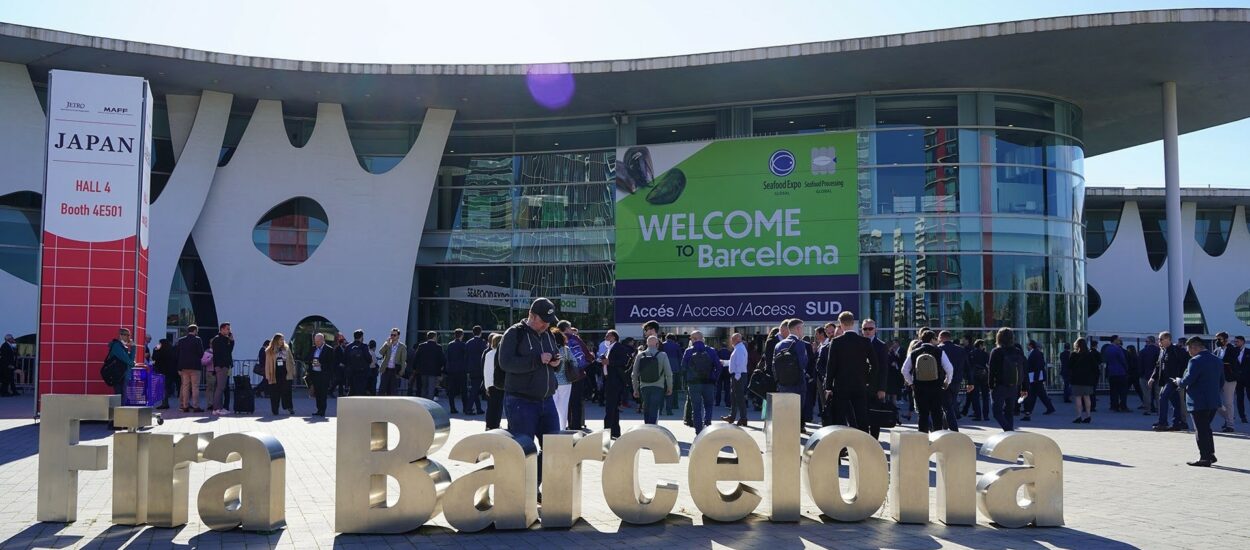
[
  {"x": 357, "y": 359},
  {"x": 529, "y": 355},
  {"x": 1147, "y": 361},
  {"x": 165, "y": 362},
  {"x": 474, "y": 349},
  {"x": 320, "y": 360},
  {"x": 1203, "y": 381},
  {"x": 958, "y": 357},
  {"x": 428, "y": 361},
  {"x": 223, "y": 359},
  {"x": 1172, "y": 362},
  {"x": 457, "y": 375},
  {"x": 190, "y": 349},
  {"x": 852, "y": 361},
  {"x": 615, "y": 381},
  {"x": 8, "y": 366},
  {"x": 1037, "y": 382}
]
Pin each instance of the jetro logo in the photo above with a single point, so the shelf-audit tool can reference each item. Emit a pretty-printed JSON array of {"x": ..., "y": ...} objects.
[{"x": 781, "y": 163}]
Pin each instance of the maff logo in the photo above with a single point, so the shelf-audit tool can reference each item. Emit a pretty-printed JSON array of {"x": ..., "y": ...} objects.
[{"x": 781, "y": 163}]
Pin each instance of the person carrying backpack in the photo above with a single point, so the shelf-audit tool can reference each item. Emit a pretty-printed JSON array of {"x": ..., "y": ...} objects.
[
  {"x": 652, "y": 377},
  {"x": 1006, "y": 377},
  {"x": 358, "y": 359},
  {"x": 929, "y": 372},
  {"x": 701, "y": 365},
  {"x": 790, "y": 361}
]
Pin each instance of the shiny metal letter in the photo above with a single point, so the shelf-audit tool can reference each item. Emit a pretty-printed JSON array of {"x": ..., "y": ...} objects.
[
  {"x": 130, "y": 465},
  {"x": 1041, "y": 476},
  {"x": 620, "y": 475},
  {"x": 60, "y": 455},
  {"x": 706, "y": 467},
  {"x": 868, "y": 475},
  {"x": 169, "y": 459},
  {"x": 505, "y": 493},
  {"x": 364, "y": 461},
  {"x": 563, "y": 454},
  {"x": 781, "y": 436},
  {"x": 956, "y": 477},
  {"x": 252, "y": 496}
]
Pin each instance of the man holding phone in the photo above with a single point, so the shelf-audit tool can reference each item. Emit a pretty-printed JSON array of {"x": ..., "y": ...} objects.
[{"x": 530, "y": 357}]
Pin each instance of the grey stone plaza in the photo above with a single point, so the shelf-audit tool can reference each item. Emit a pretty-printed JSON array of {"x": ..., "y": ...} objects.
[{"x": 1124, "y": 486}]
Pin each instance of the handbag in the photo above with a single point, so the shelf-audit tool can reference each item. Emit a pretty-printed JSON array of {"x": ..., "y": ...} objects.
[
  {"x": 882, "y": 414},
  {"x": 762, "y": 383}
]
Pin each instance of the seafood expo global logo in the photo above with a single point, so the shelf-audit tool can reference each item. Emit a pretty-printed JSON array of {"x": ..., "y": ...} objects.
[{"x": 781, "y": 163}]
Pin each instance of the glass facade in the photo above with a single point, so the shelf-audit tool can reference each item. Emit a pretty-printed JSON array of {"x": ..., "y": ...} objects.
[
  {"x": 970, "y": 212},
  {"x": 21, "y": 216}
]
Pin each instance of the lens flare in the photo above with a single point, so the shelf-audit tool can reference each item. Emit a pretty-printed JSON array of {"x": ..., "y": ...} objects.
[{"x": 550, "y": 85}]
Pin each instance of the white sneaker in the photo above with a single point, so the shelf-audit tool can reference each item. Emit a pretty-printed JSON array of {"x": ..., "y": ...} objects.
[{"x": 223, "y": 412}]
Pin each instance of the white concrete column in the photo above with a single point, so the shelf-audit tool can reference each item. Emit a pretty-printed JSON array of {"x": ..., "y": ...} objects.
[{"x": 1172, "y": 202}]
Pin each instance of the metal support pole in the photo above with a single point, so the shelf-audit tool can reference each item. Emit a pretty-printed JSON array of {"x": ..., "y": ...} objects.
[{"x": 1172, "y": 202}]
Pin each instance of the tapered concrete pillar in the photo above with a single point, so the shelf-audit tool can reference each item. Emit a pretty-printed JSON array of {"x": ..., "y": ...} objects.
[{"x": 1172, "y": 203}]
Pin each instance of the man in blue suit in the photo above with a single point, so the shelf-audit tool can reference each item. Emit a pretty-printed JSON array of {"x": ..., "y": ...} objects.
[{"x": 1203, "y": 380}]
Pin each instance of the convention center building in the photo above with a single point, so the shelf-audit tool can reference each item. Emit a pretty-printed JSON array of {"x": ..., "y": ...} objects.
[{"x": 927, "y": 179}]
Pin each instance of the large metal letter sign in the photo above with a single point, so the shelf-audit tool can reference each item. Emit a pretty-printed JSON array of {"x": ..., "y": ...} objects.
[
  {"x": 956, "y": 477},
  {"x": 170, "y": 456},
  {"x": 60, "y": 455},
  {"x": 781, "y": 435},
  {"x": 513, "y": 478},
  {"x": 620, "y": 475},
  {"x": 563, "y": 455},
  {"x": 707, "y": 467},
  {"x": 364, "y": 462},
  {"x": 253, "y": 496},
  {"x": 130, "y": 465},
  {"x": 867, "y": 462},
  {"x": 1041, "y": 475}
]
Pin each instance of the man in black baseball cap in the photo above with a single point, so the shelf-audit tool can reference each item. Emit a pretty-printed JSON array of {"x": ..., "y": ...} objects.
[
  {"x": 545, "y": 310},
  {"x": 529, "y": 355}
]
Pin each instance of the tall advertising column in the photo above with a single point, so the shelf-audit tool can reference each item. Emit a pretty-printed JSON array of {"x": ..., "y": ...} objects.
[{"x": 94, "y": 258}]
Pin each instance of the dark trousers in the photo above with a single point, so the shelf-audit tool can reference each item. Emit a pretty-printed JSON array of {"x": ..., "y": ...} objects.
[
  {"x": 613, "y": 390},
  {"x": 1202, "y": 429},
  {"x": 979, "y": 400},
  {"x": 738, "y": 400},
  {"x": 577, "y": 408},
  {"x": 280, "y": 393},
  {"x": 8, "y": 380},
  {"x": 1136, "y": 385},
  {"x": 1067, "y": 388},
  {"x": 172, "y": 383},
  {"x": 1170, "y": 398},
  {"x": 701, "y": 405},
  {"x": 457, "y": 386},
  {"x": 810, "y": 401},
  {"x": 321, "y": 389},
  {"x": 679, "y": 385},
  {"x": 930, "y": 403},
  {"x": 1241, "y": 394},
  {"x": 1004, "y": 401},
  {"x": 494, "y": 408},
  {"x": 360, "y": 382},
  {"x": 475, "y": 393},
  {"x": 723, "y": 390},
  {"x": 528, "y": 419},
  {"x": 390, "y": 382},
  {"x": 1037, "y": 391},
  {"x": 850, "y": 408},
  {"x": 1119, "y": 392},
  {"x": 340, "y": 380},
  {"x": 652, "y": 399},
  {"x": 950, "y": 406}
]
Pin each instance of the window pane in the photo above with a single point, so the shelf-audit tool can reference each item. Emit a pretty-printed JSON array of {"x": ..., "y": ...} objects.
[{"x": 816, "y": 116}]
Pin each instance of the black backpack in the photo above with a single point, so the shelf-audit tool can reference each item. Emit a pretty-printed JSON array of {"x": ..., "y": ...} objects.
[
  {"x": 358, "y": 356},
  {"x": 648, "y": 367},
  {"x": 113, "y": 370},
  {"x": 700, "y": 367},
  {"x": 786, "y": 365},
  {"x": 1013, "y": 365}
]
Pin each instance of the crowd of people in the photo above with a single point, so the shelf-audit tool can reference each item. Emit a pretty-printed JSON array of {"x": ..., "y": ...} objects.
[{"x": 540, "y": 373}]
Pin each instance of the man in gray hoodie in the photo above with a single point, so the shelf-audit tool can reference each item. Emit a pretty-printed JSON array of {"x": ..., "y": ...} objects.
[{"x": 529, "y": 356}]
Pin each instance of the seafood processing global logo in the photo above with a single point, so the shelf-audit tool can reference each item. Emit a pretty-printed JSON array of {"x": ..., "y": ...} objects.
[{"x": 781, "y": 163}]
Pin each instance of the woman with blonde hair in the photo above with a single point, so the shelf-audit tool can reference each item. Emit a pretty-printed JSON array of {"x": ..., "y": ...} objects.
[{"x": 279, "y": 372}]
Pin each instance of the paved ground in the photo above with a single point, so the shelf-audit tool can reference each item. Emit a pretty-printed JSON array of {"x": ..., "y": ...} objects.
[{"x": 1125, "y": 487}]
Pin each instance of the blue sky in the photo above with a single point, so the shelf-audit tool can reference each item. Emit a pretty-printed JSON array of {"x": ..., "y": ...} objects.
[{"x": 467, "y": 31}]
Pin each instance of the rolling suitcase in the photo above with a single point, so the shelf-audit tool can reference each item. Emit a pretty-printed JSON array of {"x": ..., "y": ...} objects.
[
  {"x": 136, "y": 394},
  {"x": 244, "y": 399}
]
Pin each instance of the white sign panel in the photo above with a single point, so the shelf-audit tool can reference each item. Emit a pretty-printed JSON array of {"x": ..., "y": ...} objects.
[
  {"x": 492, "y": 295},
  {"x": 95, "y": 152}
]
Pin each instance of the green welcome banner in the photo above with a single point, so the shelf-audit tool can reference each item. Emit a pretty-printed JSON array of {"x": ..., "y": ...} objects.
[{"x": 763, "y": 215}]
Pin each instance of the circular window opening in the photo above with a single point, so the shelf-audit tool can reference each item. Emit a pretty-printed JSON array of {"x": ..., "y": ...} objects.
[
  {"x": 1241, "y": 307},
  {"x": 290, "y": 232}
]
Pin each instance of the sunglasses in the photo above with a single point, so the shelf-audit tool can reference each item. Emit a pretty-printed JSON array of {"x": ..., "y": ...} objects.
[{"x": 870, "y": 329}]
